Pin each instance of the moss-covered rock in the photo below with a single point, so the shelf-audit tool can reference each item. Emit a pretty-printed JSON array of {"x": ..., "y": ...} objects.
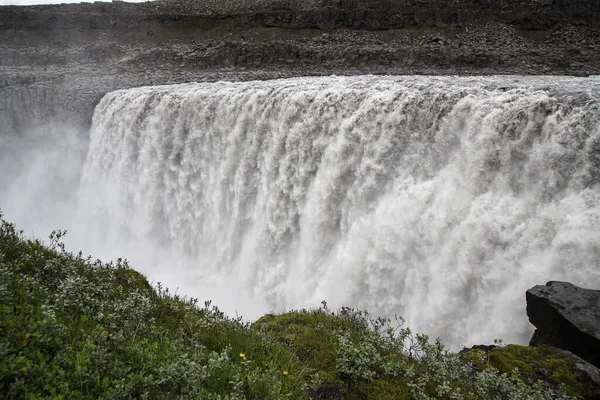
[
  {"x": 533, "y": 363},
  {"x": 311, "y": 336},
  {"x": 314, "y": 337},
  {"x": 132, "y": 280}
]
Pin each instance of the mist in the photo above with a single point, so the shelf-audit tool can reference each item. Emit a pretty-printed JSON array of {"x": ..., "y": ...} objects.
[
  {"x": 39, "y": 192},
  {"x": 440, "y": 199}
]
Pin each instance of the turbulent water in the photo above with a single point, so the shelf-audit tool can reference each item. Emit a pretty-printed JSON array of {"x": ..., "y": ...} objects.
[{"x": 438, "y": 199}]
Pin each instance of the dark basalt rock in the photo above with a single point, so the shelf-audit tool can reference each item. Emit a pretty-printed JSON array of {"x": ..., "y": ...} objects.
[{"x": 566, "y": 316}]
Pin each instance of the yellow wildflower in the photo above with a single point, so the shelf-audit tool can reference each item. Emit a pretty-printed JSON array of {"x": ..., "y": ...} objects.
[
  {"x": 285, "y": 373},
  {"x": 242, "y": 355}
]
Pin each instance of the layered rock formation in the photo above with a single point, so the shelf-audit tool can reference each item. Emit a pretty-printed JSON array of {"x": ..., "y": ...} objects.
[
  {"x": 408, "y": 36},
  {"x": 85, "y": 50}
]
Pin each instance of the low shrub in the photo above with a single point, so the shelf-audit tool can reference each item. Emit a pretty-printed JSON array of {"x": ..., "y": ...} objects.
[{"x": 73, "y": 327}]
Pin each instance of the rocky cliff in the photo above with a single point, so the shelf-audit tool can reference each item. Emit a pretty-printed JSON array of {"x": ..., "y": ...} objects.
[{"x": 72, "y": 54}]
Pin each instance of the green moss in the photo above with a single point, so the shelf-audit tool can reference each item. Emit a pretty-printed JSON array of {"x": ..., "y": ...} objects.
[
  {"x": 310, "y": 335},
  {"x": 528, "y": 359},
  {"x": 132, "y": 280},
  {"x": 382, "y": 389}
]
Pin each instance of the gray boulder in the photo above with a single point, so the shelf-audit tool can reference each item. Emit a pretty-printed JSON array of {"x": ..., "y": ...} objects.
[
  {"x": 566, "y": 316},
  {"x": 584, "y": 372}
]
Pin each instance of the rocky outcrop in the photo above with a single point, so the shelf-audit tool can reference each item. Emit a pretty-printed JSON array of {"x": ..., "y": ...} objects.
[
  {"x": 566, "y": 316},
  {"x": 565, "y": 348}
]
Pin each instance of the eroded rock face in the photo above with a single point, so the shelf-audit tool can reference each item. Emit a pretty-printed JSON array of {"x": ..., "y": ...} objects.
[
  {"x": 566, "y": 316},
  {"x": 78, "y": 52}
]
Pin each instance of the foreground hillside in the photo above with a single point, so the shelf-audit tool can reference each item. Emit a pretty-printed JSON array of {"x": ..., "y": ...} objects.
[{"x": 73, "y": 327}]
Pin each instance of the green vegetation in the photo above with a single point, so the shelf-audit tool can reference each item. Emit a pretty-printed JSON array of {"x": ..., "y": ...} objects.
[
  {"x": 531, "y": 362},
  {"x": 73, "y": 327}
]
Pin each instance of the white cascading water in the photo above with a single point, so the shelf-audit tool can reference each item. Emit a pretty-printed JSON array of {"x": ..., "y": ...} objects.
[{"x": 441, "y": 199}]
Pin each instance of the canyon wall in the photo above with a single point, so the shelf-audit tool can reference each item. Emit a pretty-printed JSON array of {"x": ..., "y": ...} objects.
[{"x": 67, "y": 56}]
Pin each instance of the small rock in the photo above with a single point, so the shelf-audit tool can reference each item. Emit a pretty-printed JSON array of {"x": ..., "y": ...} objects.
[{"x": 581, "y": 74}]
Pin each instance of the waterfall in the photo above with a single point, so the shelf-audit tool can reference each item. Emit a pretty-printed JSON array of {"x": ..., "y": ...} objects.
[{"x": 441, "y": 199}]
